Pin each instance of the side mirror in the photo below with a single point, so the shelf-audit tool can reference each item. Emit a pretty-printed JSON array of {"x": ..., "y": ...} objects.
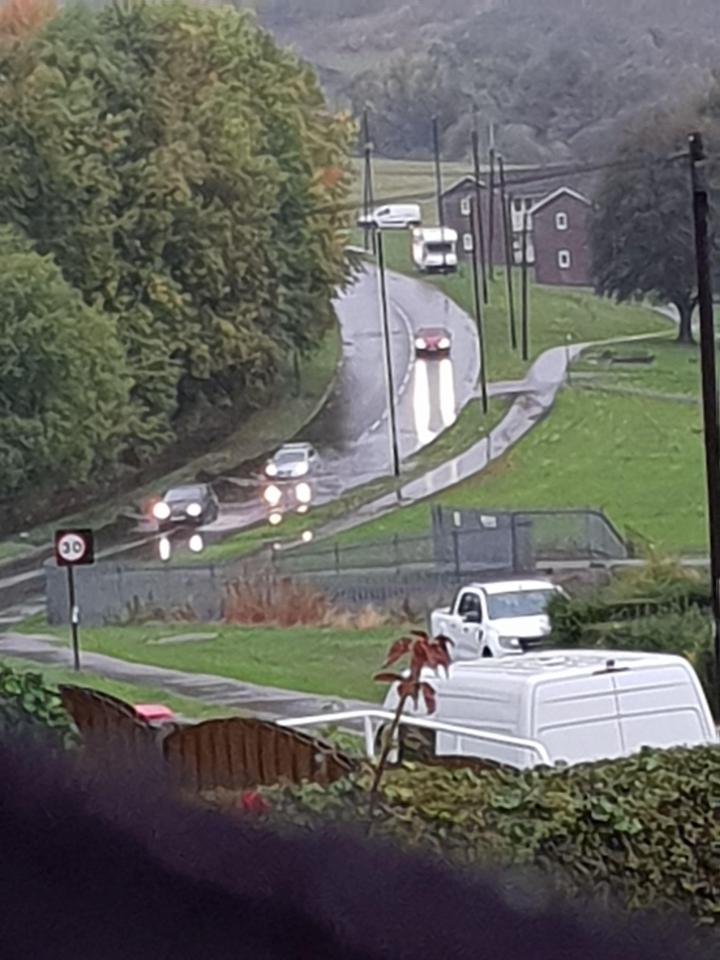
[{"x": 473, "y": 616}]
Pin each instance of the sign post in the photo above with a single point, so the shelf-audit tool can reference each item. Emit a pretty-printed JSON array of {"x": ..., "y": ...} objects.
[{"x": 74, "y": 548}]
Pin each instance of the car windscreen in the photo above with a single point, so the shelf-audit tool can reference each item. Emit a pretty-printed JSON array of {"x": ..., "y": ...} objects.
[
  {"x": 180, "y": 494},
  {"x": 443, "y": 247},
  {"x": 289, "y": 456},
  {"x": 518, "y": 603}
]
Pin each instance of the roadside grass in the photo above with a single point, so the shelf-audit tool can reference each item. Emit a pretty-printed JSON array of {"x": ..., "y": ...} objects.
[
  {"x": 554, "y": 313},
  {"x": 129, "y": 692},
  {"x": 639, "y": 458},
  {"x": 323, "y": 660},
  {"x": 260, "y": 431}
]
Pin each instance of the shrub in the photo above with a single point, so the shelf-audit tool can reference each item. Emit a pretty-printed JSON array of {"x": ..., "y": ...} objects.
[
  {"x": 29, "y": 708},
  {"x": 644, "y": 830}
]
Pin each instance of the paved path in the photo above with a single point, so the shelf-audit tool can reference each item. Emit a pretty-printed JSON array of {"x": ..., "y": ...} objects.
[{"x": 268, "y": 703}]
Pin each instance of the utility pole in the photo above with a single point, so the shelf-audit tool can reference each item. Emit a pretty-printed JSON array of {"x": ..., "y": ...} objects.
[
  {"x": 491, "y": 204},
  {"x": 524, "y": 315},
  {"x": 474, "y": 226},
  {"x": 369, "y": 234},
  {"x": 507, "y": 235},
  {"x": 698, "y": 178},
  {"x": 480, "y": 249},
  {"x": 438, "y": 173},
  {"x": 394, "y": 451}
]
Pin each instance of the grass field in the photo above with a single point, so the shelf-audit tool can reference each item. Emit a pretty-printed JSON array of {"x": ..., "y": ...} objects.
[
  {"x": 634, "y": 454},
  {"x": 324, "y": 660},
  {"x": 130, "y": 693}
]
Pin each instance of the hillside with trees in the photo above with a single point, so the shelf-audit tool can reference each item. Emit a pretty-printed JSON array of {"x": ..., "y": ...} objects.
[
  {"x": 558, "y": 78},
  {"x": 167, "y": 171}
]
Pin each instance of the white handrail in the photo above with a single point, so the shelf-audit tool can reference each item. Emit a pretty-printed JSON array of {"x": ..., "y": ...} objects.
[{"x": 367, "y": 716}]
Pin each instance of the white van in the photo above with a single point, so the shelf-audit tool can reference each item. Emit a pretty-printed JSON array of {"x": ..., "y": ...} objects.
[
  {"x": 393, "y": 216},
  {"x": 434, "y": 250},
  {"x": 574, "y": 705}
]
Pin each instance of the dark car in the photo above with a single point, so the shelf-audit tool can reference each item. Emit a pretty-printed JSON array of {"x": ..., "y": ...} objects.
[
  {"x": 432, "y": 342},
  {"x": 195, "y": 504}
]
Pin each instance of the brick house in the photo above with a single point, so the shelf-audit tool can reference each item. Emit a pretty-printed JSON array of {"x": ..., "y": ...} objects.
[
  {"x": 566, "y": 245},
  {"x": 561, "y": 223}
]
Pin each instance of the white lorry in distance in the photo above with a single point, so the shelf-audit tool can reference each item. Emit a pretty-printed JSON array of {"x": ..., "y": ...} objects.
[
  {"x": 393, "y": 216},
  {"x": 564, "y": 706},
  {"x": 495, "y": 619},
  {"x": 434, "y": 249}
]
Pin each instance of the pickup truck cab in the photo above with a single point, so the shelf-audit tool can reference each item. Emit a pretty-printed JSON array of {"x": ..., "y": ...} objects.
[
  {"x": 564, "y": 706},
  {"x": 496, "y": 619}
]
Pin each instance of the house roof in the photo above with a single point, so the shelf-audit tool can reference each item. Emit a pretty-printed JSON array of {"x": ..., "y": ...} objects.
[
  {"x": 466, "y": 181},
  {"x": 555, "y": 195}
]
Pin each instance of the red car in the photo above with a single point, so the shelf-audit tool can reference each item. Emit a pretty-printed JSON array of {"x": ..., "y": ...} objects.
[{"x": 432, "y": 342}]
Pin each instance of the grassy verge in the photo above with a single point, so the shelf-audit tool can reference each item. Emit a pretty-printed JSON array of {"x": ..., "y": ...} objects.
[
  {"x": 323, "y": 660},
  {"x": 261, "y": 431},
  {"x": 554, "y": 313},
  {"x": 639, "y": 457},
  {"x": 129, "y": 692}
]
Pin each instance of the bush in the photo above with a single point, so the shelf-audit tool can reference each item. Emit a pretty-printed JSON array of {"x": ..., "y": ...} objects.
[
  {"x": 27, "y": 707},
  {"x": 644, "y": 830}
]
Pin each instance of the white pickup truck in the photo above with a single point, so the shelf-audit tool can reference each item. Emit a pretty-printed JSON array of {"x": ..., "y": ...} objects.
[{"x": 495, "y": 619}]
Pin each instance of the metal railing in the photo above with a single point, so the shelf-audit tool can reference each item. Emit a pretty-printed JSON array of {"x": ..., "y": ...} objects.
[{"x": 369, "y": 730}]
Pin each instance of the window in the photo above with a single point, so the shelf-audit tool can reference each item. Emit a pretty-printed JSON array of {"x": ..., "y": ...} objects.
[
  {"x": 467, "y": 242},
  {"x": 564, "y": 259},
  {"x": 561, "y": 221},
  {"x": 469, "y": 603},
  {"x": 465, "y": 206}
]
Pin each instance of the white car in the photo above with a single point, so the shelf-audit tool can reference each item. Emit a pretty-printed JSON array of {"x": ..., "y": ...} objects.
[
  {"x": 393, "y": 216},
  {"x": 292, "y": 461},
  {"x": 496, "y": 619}
]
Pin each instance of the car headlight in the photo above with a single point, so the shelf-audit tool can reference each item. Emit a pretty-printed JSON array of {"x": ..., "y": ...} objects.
[
  {"x": 444, "y": 343},
  {"x": 193, "y": 509},
  {"x": 509, "y": 643},
  {"x": 419, "y": 343},
  {"x": 303, "y": 492},
  {"x": 272, "y": 495},
  {"x": 161, "y": 511},
  {"x": 271, "y": 470},
  {"x": 274, "y": 519},
  {"x": 301, "y": 469}
]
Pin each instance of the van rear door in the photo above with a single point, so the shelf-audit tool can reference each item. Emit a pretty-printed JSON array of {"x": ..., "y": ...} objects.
[
  {"x": 662, "y": 706},
  {"x": 576, "y": 718}
]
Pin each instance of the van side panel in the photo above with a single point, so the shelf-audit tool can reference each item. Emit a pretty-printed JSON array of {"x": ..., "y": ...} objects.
[
  {"x": 576, "y": 718},
  {"x": 662, "y": 707}
]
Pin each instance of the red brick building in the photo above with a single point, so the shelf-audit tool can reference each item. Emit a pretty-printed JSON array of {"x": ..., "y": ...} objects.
[{"x": 561, "y": 223}]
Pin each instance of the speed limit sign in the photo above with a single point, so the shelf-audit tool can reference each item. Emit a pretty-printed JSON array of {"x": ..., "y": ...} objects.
[{"x": 74, "y": 548}]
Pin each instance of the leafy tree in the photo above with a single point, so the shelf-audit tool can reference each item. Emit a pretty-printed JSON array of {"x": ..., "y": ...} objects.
[
  {"x": 63, "y": 390},
  {"x": 642, "y": 233}
]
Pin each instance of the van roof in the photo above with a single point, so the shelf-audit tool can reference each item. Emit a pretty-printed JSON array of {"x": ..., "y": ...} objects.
[
  {"x": 509, "y": 586},
  {"x": 436, "y": 234},
  {"x": 533, "y": 668}
]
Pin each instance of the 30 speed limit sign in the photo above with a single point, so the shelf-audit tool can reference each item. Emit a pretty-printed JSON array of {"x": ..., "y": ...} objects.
[{"x": 74, "y": 548}]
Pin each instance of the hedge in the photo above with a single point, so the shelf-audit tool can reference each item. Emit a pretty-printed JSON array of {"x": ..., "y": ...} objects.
[
  {"x": 29, "y": 708},
  {"x": 644, "y": 830}
]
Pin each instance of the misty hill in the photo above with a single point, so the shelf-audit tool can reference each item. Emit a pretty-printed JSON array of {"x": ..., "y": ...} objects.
[{"x": 559, "y": 78}]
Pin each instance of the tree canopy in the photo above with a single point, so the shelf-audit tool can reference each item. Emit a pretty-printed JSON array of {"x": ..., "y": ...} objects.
[{"x": 178, "y": 167}]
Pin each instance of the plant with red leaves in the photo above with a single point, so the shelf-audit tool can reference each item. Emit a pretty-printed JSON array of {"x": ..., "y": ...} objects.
[
  {"x": 424, "y": 652},
  {"x": 250, "y": 801}
]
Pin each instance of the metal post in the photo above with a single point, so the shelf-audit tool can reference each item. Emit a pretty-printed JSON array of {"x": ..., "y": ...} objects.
[
  {"x": 709, "y": 380},
  {"x": 524, "y": 290},
  {"x": 336, "y": 551},
  {"x": 491, "y": 208},
  {"x": 74, "y": 616},
  {"x": 506, "y": 224},
  {"x": 474, "y": 231},
  {"x": 368, "y": 202},
  {"x": 438, "y": 173},
  {"x": 388, "y": 355},
  {"x": 481, "y": 252},
  {"x": 456, "y": 553}
]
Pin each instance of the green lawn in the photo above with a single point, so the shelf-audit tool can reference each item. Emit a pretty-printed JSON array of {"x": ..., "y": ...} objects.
[
  {"x": 324, "y": 660},
  {"x": 640, "y": 458},
  {"x": 554, "y": 313},
  {"x": 130, "y": 693}
]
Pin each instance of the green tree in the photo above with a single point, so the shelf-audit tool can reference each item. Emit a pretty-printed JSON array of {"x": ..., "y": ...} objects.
[
  {"x": 641, "y": 236},
  {"x": 63, "y": 390}
]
